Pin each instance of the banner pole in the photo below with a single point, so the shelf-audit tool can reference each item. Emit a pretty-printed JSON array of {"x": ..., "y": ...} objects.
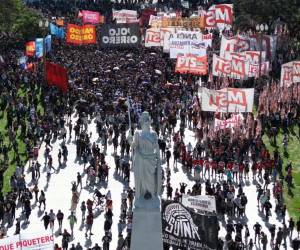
[
  {"x": 129, "y": 118},
  {"x": 20, "y": 239}
]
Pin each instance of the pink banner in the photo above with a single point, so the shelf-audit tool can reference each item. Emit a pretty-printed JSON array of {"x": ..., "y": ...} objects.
[{"x": 90, "y": 17}]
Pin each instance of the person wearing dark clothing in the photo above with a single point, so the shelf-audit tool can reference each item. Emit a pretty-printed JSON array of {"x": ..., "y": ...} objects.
[
  {"x": 257, "y": 229},
  {"x": 106, "y": 241},
  {"x": 46, "y": 218}
]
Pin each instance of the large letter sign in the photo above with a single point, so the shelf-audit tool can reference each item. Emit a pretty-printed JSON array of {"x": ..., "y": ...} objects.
[{"x": 227, "y": 100}]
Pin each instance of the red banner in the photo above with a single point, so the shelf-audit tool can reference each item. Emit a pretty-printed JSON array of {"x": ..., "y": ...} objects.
[
  {"x": 56, "y": 75},
  {"x": 85, "y": 34},
  {"x": 196, "y": 65},
  {"x": 30, "y": 48}
]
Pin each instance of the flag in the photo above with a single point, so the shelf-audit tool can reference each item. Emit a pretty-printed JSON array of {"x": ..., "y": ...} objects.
[
  {"x": 48, "y": 44},
  {"x": 56, "y": 75},
  {"x": 39, "y": 47},
  {"x": 57, "y": 31},
  {"x": 30, "y": 48},
  {"x": 79, "y": 14}
]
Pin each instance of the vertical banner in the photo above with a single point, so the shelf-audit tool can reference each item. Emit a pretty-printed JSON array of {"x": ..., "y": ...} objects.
[
  {"x": 221, "y": 67},
  {"x": 185, "y": 229},
  {"x": 48, "y": 43},
  {"x": 39, "y": 45},
  {"x": 30, "y": 48},
  {"x": 296, "y": 72},
  {"x": 286, "y": 76},
  {"x": 57, "y": 31}
]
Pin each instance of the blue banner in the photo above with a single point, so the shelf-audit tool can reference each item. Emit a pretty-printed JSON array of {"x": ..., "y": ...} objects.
[
  {"x": 57, "y": 31},
  {"x": 39, "y": 47},
  {"x": 48, "y": 43},
  {"x": 22, "y": 61}
]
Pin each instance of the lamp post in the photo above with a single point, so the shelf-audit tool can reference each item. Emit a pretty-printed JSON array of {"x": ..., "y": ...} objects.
[
  {"x": 261, "y": 28},
  {"x": 44, "y": 24}
]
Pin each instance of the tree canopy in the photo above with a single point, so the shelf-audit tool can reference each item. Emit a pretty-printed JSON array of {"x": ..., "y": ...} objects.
[
  {"x": 16, "y": 18},
  {"x": 248, "y": 13}
]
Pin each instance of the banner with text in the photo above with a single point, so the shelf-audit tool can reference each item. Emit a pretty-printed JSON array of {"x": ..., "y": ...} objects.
[
  {"x": 120, "y": 35},
  {"x": 85, "y": 34},
  {"x": 195, "y": 65},
  {"x": 29, "y": 241},
  {"x": 219, "y": 16},
  {"x": 125, "y": 16},
  {"x": 240, "y": 43},
  {"x": 234, "y": 121},
  {"x": 91, "y": 17},
  {"x": 183, "y": 228},
  {"x": 204, "y": 203},
  {"x": 227, "y": 100},
  {"x": 290, "y": 73}
]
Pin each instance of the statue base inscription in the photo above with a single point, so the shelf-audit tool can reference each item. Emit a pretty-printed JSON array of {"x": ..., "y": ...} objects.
[{"x": 146, "y": 226}]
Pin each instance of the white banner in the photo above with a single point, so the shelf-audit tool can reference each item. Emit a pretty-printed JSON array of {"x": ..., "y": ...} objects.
[
  {"x": 152, "y": 38},
  {"x": 219, "y": 16},
  {"x": 227, "y": 100},
  {"x": 286, "y": 76},
  {"x": 125, "y": 16},
  {"x": 200, "y": 202},
  {"x": 221, "y": 66},
  {"x": 234, "y": 121},
  {"x": 29, "y": 241},
  {"x": 296, "y": 72},
  {"x": 165, "y": 32},
  {"x": 186, "y": 42},
  {"x": 254, "y": 69},
  {"x": 249, "y": 43}
]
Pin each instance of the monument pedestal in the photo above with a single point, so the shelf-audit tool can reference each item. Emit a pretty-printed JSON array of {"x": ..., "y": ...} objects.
[{"x": 146, "y": 228}]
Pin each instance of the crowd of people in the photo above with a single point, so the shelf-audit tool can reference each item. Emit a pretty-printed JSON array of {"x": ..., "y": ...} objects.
[{"x": 219, "y": 163}]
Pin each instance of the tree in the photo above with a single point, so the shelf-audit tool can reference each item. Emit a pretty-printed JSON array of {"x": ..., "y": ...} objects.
[
  {"x": 17, "y": 18},
  {"x": 248, "y": 13}
]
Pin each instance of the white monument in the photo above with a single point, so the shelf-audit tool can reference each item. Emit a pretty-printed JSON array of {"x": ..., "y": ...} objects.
[{"x": 146, "y": 226}]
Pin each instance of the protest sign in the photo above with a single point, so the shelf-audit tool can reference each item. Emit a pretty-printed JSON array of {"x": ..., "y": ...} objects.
[
  {"x": 234, "y": 121},
  {"x": 202, "y": 203},
  {"x": 85, "y": 34},
  {"x": 185, "y": 229},
  {"x": 120, "y": 35},
  {"x": 227, "y": 100},
  {"x": 28, "y": 241},
  {"x": 194, "y": 65}
]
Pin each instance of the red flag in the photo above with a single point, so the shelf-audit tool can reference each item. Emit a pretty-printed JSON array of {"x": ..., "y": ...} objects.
[{"x": 56, "y": 75}]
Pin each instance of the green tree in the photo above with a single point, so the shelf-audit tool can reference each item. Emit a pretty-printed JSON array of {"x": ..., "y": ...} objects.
[{"x": 16, "y": 18}]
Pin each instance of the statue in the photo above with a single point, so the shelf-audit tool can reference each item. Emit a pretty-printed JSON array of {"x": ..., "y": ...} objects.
[
  {"x": 146, "y": 164},
  {"x": 147, "y": 177}
]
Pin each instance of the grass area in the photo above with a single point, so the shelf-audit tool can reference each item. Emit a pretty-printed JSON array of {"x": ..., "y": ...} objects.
[
  {"x": 21, "y": 146},
  {"x": 292, "y": 202}
]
